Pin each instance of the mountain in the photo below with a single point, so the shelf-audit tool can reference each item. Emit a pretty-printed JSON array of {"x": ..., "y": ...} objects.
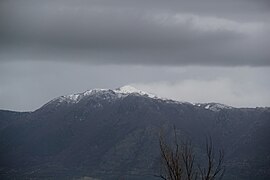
[{"x": 113, "y": 134}]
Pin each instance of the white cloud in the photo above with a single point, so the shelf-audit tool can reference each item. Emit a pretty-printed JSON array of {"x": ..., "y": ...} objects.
[
  {"x": 208, "y": 23},
  {"x": 239, "y": 87},
  {"x": 30, "y": 84}
]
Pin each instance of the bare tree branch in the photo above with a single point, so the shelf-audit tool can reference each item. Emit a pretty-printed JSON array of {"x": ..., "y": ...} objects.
[{"x": 178, "y": 161}]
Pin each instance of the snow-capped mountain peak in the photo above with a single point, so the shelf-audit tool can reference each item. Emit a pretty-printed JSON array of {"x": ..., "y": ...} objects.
[
  {"x": 123, "y": 92},
  {"x": 130, "y": 90}
]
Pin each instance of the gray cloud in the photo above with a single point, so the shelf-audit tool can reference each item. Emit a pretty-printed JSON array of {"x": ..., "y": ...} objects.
[
  {"x": 195, "y": 50},
  {"x": 27, "y": 85},
  {"x": 228, "y": 33}
]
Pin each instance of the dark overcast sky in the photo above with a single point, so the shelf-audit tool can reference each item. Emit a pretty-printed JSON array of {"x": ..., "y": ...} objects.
[{"x": 203, "y": 48}]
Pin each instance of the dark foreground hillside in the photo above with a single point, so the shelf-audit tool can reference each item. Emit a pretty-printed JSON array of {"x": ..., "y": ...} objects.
[{"x": 110, "y": 136}]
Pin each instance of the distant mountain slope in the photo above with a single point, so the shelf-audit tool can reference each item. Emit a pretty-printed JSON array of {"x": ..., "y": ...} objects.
[{"x": 113, "y": 134}]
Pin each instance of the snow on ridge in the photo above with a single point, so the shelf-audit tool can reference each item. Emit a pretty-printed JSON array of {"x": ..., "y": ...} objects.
[
  {"x": 214, "y": 106},
  {"x": 73, "y": 97},
  {"x": 113, "y": 94},
  {"x": 119, "y": 93},
  {"x": 93, "y": 91},
  {"x": 207, "y": 106}
]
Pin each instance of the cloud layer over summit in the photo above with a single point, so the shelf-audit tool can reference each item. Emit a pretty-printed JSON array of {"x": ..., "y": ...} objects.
[{"x": 148, "y": 32}]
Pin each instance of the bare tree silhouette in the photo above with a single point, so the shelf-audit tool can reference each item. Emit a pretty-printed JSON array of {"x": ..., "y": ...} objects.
[
  {"x": 213, "y": 170},
  {"x": 178, "y": 161}
]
